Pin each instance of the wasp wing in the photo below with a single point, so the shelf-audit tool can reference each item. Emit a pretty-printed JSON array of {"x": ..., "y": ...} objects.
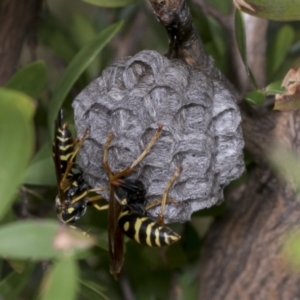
[
  {"x": 115, "y": 236},
  {"x": 59, "y": 165}
]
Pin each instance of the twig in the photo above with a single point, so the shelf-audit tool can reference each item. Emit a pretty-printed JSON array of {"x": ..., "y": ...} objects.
[{"x": 184, "y": 42}]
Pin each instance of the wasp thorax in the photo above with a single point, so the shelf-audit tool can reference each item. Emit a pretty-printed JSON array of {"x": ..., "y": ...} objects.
[
  {"x": 201, "y": 130},
  {"x": 130, "y": 191}
]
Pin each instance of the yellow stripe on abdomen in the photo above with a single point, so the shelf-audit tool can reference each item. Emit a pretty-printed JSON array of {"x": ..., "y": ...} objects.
[
  {"x": 146, "y": 231},
  {"x": 137, "y": 227},
  {"x": 149, "y": 231}
]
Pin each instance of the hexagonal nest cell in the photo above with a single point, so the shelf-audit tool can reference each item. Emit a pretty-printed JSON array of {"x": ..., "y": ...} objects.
[{"x": 201, "y": 130}]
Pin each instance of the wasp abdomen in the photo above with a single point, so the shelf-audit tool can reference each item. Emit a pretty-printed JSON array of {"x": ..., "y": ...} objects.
[
  {"x": 65, "y": 145},
  {"x": 146, "y": 231}
]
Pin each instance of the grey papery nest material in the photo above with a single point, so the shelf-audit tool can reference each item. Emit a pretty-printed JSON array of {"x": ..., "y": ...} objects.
[{"x": 201, "y": 130}]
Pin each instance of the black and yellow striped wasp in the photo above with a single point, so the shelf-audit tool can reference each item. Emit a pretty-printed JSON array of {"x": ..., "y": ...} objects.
[
  {"x": 73, "y": 191},
  {"x": 127, "y": 213},
  {"x": 136, "y": 222}
]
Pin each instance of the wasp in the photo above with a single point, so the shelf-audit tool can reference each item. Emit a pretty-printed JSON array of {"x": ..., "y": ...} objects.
[
  {"x": 135, "y": 221},
  {"x": 128, "y": 215},
  {"x": 73, "y": 191}
]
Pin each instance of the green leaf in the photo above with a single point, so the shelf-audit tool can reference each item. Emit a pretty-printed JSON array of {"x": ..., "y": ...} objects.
[
  {"x": 275, "y": 88},
  {"x": 12, "y": 285},
  {"x": 95, "y": 288},
  {"x": 223, "y": 6},
  {"x": 18, "y": 265},
  {"x": 279, "y": 10},
  {"x": 240, "y": 35},
  {"x": 44, "y": 152},
  {"x": 216, "y": 35},
  {"x": 30, "y": 80},
  {"x": 61, "y": 282},
  {"x": 256, "y": 97},
  {"x": 41, "y": 171},
  {"x": 83, "y": 32},
  {"x": 29, "y": 240},
  {"x": 54, "y": 35},
  {"x": 110, "y": 3},
  {"x": 16, "y": 142},
  {"x": 279, "y": 48},
  {"x": 76, "y": 67},
  {"x": 241, "y": 41},
  {"x": 41, "y": 240}
]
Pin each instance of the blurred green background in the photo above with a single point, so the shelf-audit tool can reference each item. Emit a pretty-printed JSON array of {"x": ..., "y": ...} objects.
[{"x": 75, "y": 42}]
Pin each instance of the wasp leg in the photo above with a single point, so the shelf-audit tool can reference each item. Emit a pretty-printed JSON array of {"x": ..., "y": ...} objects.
[
  {"x": 76, "y": 141},
  {"x": 98, "y": 189},
  {"x": 98, "y": 207},
  {"x": 160, "y": 217},
  {"x": 85, "y": 193},
  {"x": 129, "y": 170},
  {"x": 63, "y": 183},
  {"x": 97, "y": 198},
  {"x": 158, "y": 202},
  {"x": 105, "y": 155},
  {"x": 105, "y": 164},
  {"x": 148, "y": 147},
  {"x": 79, "y": 144},
  {"x": 113, "y": 178}
]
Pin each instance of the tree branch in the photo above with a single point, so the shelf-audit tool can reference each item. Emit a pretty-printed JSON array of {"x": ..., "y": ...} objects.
[{"x": 184, "y": 42}]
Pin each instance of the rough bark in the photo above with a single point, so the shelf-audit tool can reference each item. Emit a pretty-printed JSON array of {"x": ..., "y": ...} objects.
[
  {"x": 15, "y": 16},
  {"x": 243, "y": 257}
]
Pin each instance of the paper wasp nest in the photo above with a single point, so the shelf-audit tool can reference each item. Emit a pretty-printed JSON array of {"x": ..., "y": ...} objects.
[{"x": 201, "y": 130}]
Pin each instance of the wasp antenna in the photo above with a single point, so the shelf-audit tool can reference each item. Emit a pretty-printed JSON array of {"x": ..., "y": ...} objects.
[
  {"x": 61, "y": 114},
  {"x": 60, "y": 117}
]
